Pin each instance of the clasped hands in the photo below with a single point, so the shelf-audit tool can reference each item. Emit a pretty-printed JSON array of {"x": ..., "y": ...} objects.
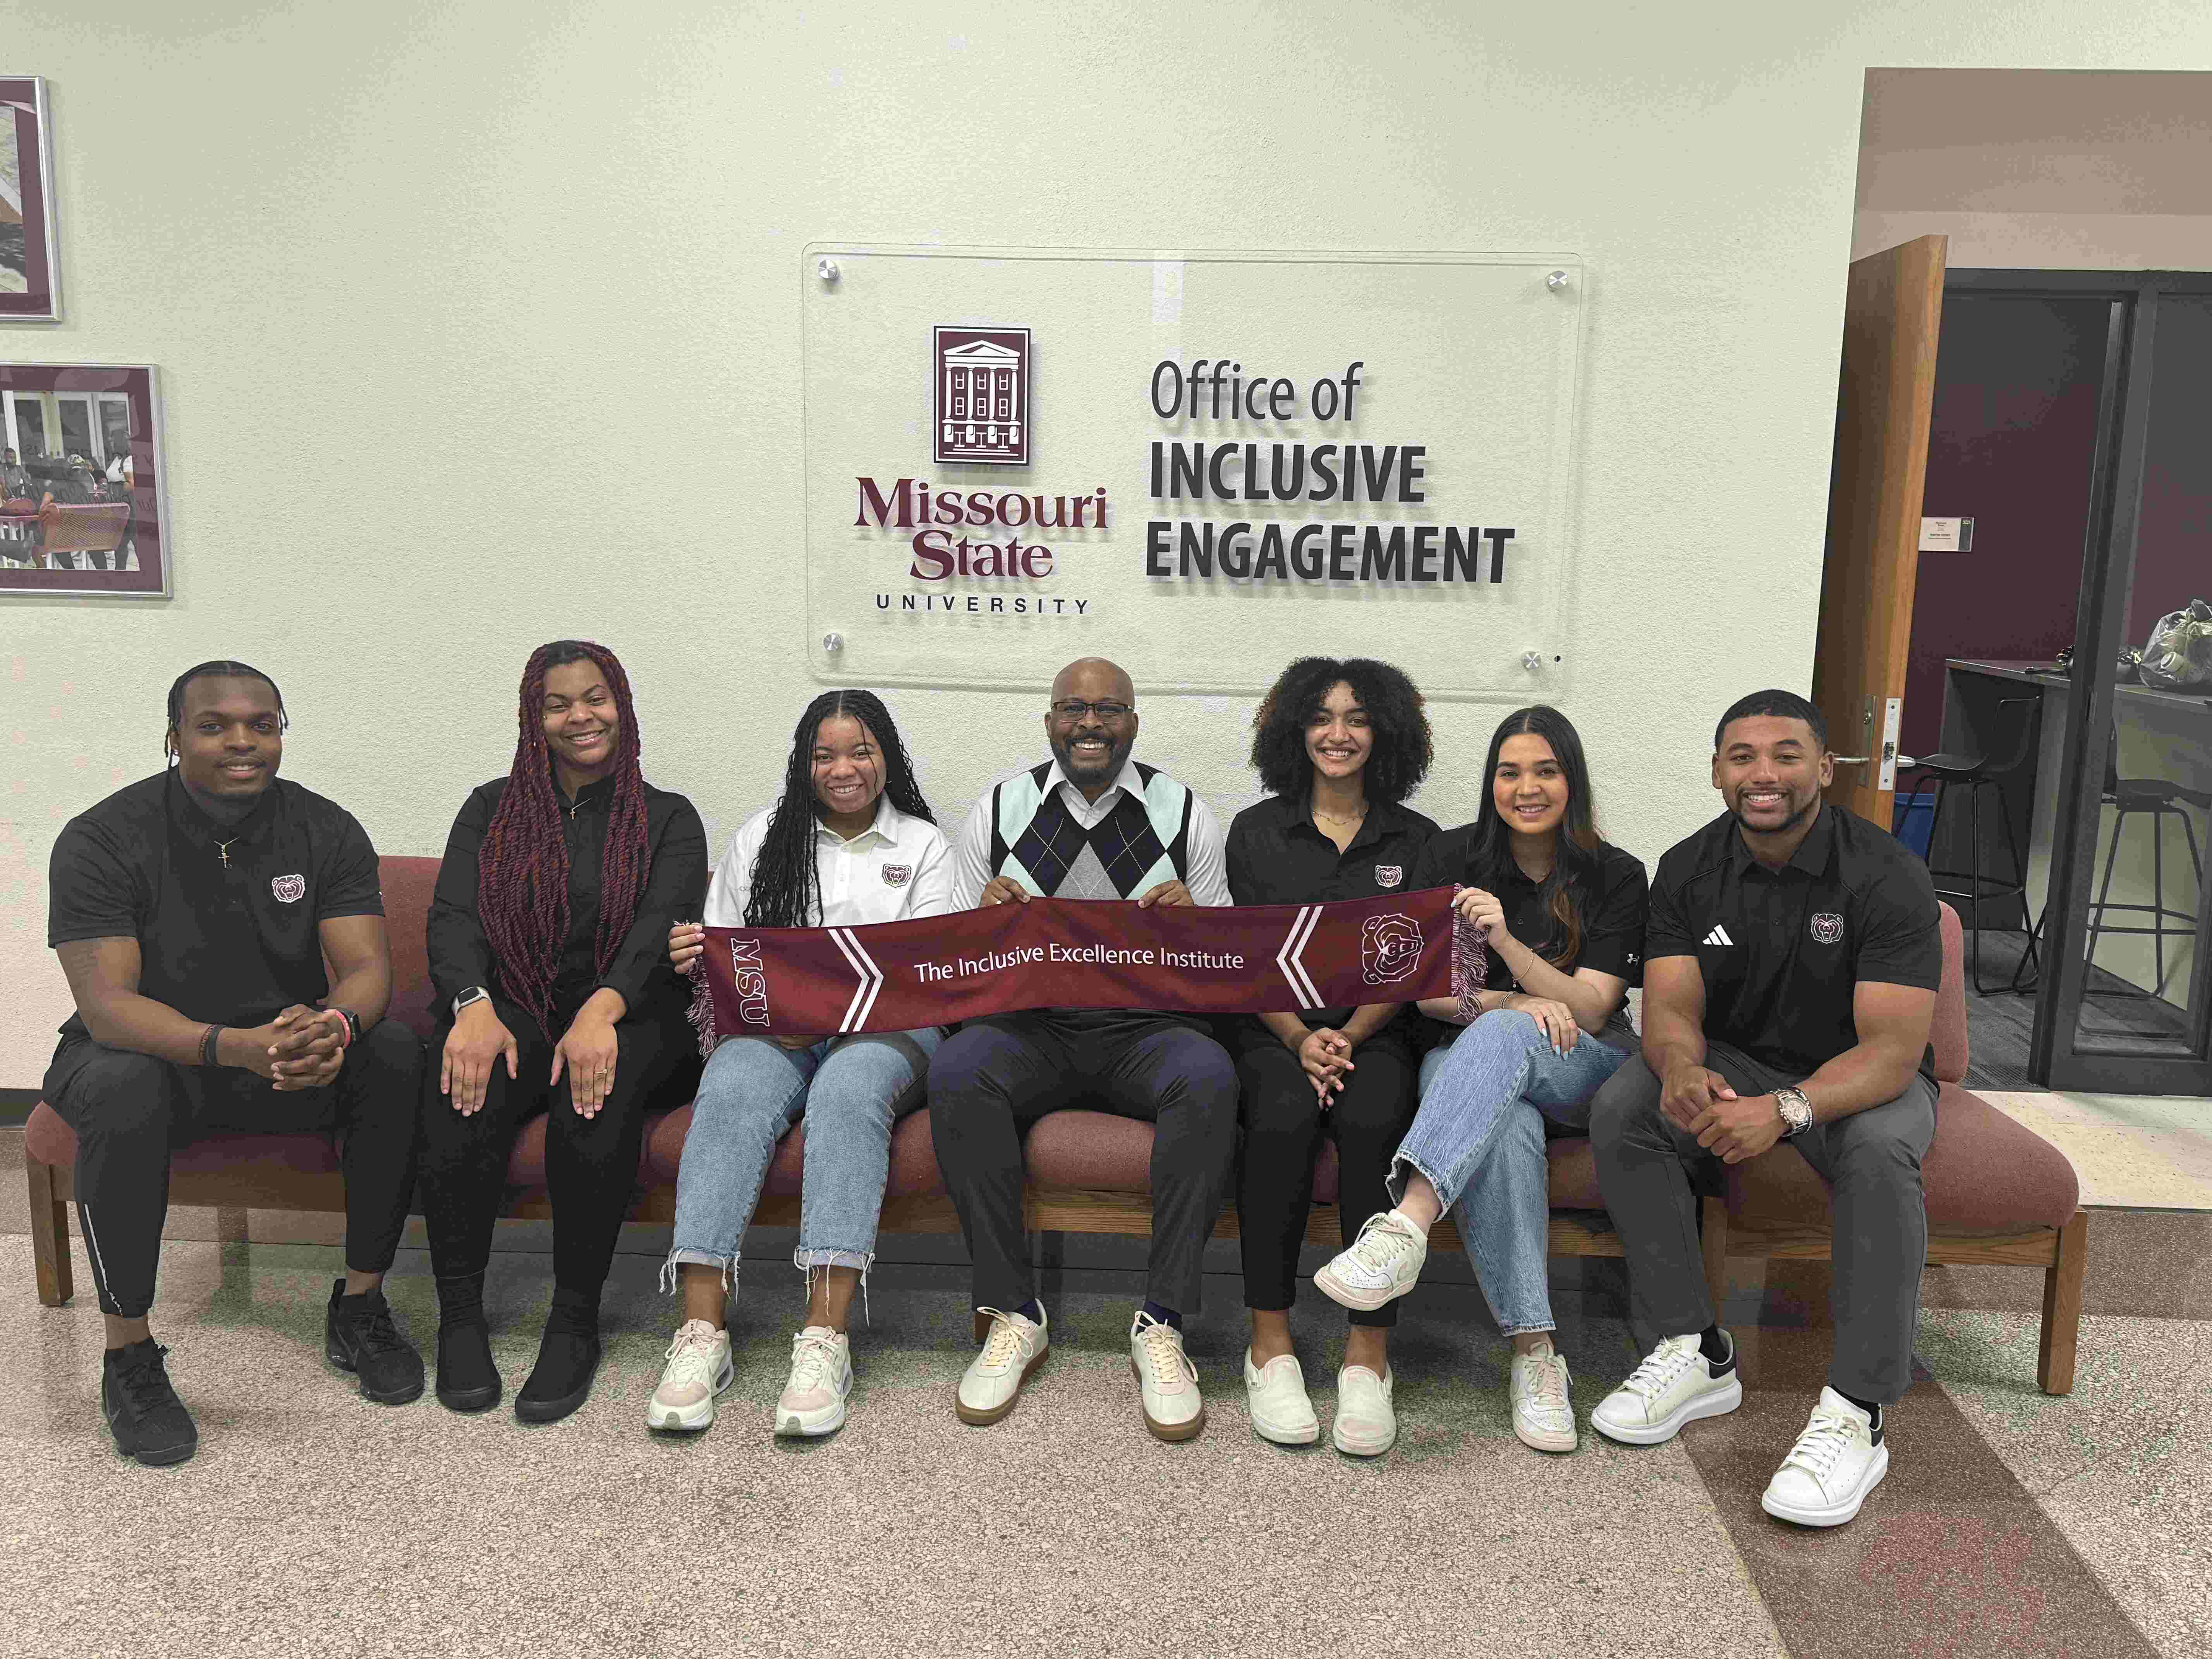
[
  {"x": 1736, "y": 1128},
  {"x": 301, "y": 1048}
]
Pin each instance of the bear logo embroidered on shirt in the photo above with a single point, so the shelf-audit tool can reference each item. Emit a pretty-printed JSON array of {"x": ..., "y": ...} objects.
[
  {"x": 1828, "y": 927},
  {"x": 897, "y": 875},
  {"x": 290, "y": 890},
  {"x": 1390, "y": 875}
]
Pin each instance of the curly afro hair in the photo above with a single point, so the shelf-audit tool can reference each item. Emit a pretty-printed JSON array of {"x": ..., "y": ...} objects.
[{"x": 1402, "y": 749}]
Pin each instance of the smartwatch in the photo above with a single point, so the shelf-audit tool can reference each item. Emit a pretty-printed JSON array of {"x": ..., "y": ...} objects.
[
  {"x": 474, "y": 993},
  {"x": 1796, "y": 1111}
]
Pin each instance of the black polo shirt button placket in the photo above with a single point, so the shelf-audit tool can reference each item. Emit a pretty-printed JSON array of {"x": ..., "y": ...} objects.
[{"x": 1782, "y": 952}]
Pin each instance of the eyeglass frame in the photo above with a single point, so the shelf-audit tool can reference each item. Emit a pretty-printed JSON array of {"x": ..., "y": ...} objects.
[{"x": 1074, "y": 708}]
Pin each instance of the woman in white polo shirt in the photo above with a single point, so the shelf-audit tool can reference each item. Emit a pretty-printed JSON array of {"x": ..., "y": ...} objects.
[{"x": 849, "y": 842}]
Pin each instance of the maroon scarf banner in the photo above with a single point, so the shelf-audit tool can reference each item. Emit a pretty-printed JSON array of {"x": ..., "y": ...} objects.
[{"x": 1074, "y": 953}]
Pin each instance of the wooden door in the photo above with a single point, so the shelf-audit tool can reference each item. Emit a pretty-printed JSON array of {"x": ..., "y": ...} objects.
[{"x": 1891, "y": 311}]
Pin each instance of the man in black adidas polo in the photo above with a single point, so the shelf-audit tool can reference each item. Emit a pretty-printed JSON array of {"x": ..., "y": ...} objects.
[
  {"x": 1791, "y": 958},
  {"x": 193, "y": 913}
]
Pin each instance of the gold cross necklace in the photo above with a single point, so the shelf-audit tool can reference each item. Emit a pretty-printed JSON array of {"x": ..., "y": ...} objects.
[{"x": 223, "y": 848}]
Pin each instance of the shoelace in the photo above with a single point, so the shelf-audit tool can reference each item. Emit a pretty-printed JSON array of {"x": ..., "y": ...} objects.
[
  {"x": 145, "y": 1383},
  {"x": 692, "y": 1348},
  {"x": 1165, "y": 1354},
  {"x": 1822, "y": 1444},
  {"x": 1381, "y": 1242},
  {"x": 1004, "y": 1340},
  {"x": 1548, "y": 1384},
  {"x": 376, "y": 1333},
  {"x": 813, "y": 1359},
  {"x": 1658, "y": 1372}
]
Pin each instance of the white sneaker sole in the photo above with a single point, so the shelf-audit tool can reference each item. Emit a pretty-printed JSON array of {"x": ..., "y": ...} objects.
[
  {"x": 1355, "y": 1445},
  {"x": 689, "y": 1419},
  {"x": 1356, "y": 1296},
  {"x": 826, "y": 1420},
  {"x": 1713, "y": 1402},
  {"x": 1287, "y": 1434},
  {"x": 1544, "y": 1440},
  {"x": 1833, "y": 1515}
]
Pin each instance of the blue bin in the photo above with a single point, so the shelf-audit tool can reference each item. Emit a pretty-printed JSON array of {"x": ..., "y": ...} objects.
[{"x": 1914, "y": 821}]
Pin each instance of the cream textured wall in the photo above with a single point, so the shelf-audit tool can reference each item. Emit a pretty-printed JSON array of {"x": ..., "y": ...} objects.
[{"x": 455, "y": 306}]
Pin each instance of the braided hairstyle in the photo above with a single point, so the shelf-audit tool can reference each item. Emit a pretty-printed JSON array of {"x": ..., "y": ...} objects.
[
  {"x": 522, "y": 868},
  {"x": 786, "y": 890}
]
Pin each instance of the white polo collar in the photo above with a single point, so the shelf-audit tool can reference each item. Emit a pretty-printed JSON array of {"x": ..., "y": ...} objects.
[{"x": 886, "y": 825}]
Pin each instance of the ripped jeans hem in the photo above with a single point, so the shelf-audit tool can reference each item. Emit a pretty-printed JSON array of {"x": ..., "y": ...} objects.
[
  {"x": 1394, "y": 1182},
  {"x": 806, "y": 1259},
  {"x": 727, "y": 1264}
]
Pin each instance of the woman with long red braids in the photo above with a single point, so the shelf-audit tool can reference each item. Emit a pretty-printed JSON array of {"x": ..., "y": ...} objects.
[{"x": 549, "y": 957}]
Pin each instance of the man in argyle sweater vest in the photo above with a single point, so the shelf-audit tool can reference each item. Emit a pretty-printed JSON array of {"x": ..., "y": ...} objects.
[{"x": 1092, "y": 823}]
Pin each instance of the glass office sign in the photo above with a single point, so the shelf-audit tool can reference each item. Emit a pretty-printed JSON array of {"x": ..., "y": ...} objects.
[{"x": 1199, "y": 464}]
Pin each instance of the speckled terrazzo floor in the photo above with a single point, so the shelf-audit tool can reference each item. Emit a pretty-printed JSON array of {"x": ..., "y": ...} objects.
[{"x": 311, "y": 1522}]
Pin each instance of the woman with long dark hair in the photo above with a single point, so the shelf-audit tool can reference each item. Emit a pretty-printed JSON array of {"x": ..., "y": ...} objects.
[
  {"x": 849, "y": 842},
  {"x": 548, "y": 957},
  {"x": 1338, "y": 745},
  {"x": 1562, "y": 916}
]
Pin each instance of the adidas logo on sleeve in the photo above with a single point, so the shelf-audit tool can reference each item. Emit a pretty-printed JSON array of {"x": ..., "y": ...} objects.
[{"x": 1719, "y": 936}]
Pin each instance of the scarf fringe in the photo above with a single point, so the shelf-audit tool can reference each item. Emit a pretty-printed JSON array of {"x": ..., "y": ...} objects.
[
  {"x": 702, "y": 1012},
  {"x": 1470, "y": 962}
]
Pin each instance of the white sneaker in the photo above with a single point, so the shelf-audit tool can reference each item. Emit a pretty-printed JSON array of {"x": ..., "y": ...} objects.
[
  {"x": 1276, "y": 1393},
  {"x": 1167, "y": 1382},
  {"x": 1674, "y": 1385},
  {"x": 994, "y": 1379},
  {"x": 1835, "y": 1463},
  {"x": 1543, "y": 1412},
  {"x": 1383, "y": 1263},
  {"x": 1365, "y": 1426},
  {"x": 813, "y": 1398},
  {"x": 698, "y": 1368}
]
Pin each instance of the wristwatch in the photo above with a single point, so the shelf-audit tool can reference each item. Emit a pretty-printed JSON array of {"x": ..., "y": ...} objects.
[
  {"x": 474, "y": 993},
  {"x": 1796, "y": 1110}
]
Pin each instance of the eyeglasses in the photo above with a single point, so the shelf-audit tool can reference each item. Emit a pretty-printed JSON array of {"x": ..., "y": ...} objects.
[{"x": 1075, "y": 709}]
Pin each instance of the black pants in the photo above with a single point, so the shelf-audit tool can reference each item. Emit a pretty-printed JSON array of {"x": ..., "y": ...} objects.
[
  {"x": 1871, "y": 1161},
  {"x": 590, "y": 1163},
  {"x": 129, "y": 1109},
  {"x": 990, "y": 1082},
  {"x": 1283, "y": 1128}
]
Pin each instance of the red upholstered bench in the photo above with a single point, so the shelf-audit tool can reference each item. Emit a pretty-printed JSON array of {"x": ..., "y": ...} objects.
[{"x": 1089, "y": 1171}]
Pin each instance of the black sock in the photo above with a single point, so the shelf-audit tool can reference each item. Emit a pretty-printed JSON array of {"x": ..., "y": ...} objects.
[
  {"x": 1867, "y": 1406},
  {"x": 574, "y": 1311},
  {"x": 1165, "y": 1315},
  {"x": 1713, "y": 1343},
  {"x": 1032, "y": 1311},
  {"x": 460, "y": 1300}
]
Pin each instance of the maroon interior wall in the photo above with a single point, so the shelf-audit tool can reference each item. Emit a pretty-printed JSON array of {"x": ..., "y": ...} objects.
[
  {"x": 2174, "y": 546},
  {"x": 2010, "y": 446}
]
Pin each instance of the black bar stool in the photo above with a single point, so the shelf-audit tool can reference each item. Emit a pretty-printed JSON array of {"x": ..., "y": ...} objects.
[
  {"x": 2158, "y": 799},
  {"x": 2015, "y": 718}
]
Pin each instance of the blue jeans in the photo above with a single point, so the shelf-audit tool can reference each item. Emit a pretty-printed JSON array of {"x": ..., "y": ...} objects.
[
  {"x": 851, "y": 1090},
  {"x": 1478, "y": 1138}
]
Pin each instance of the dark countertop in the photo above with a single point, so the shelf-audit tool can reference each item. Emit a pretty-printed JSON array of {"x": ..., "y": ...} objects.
[{"x": 2046, "y": 673}]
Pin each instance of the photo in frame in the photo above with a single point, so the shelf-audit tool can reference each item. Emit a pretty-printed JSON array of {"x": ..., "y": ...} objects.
[
  {"x": 81, "y": 508},
  {"x": 30, "y": 256}
]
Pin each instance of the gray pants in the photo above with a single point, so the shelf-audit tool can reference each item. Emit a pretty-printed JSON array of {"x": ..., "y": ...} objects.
[{"x": 1871, "y": 1161}]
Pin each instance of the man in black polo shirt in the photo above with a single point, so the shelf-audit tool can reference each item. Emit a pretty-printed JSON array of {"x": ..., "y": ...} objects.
[
  {"x": 193, "y": 913},
  {"x": 1791, "y": 958}
]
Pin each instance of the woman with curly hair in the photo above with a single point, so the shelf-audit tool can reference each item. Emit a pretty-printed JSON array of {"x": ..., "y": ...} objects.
[
  {"x": 548, "y": 957},
  {"x": 1562, "y": 916},
  {"x": 1339, "y": 746},
  {"x": 849, "y": 842}
]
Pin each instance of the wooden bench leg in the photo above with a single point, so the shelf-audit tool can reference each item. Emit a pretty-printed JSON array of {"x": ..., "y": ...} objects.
[
  {"x": 1712, "y": 1234},
  {"x": 2061, "y": 1306},
  {"x": 49, "y": 1243}
]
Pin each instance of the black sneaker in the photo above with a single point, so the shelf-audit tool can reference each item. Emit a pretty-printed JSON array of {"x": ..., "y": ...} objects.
[
  {"x": 568, "y": 1358},
  {"x": 359, "y": 1336},
  {"x": 143, "y": 1413}
]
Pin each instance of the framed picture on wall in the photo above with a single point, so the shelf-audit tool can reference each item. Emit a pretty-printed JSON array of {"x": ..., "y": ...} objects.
[
  {"x": 81, "y": 512},
  {"x": 30, "y": 259}
]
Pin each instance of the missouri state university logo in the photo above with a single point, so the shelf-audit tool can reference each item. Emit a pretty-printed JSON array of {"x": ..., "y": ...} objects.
[
  {"x": 982, "y": 395},
  {"x": 750, "y": 979},
  {"x": 290, "y": 890},
  {"x": 897, "y": 875},
  {"x": 1389, "y": 948},
  {"x": 1828, "y": 927},
  {"x": 1390, "y": 875}
]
